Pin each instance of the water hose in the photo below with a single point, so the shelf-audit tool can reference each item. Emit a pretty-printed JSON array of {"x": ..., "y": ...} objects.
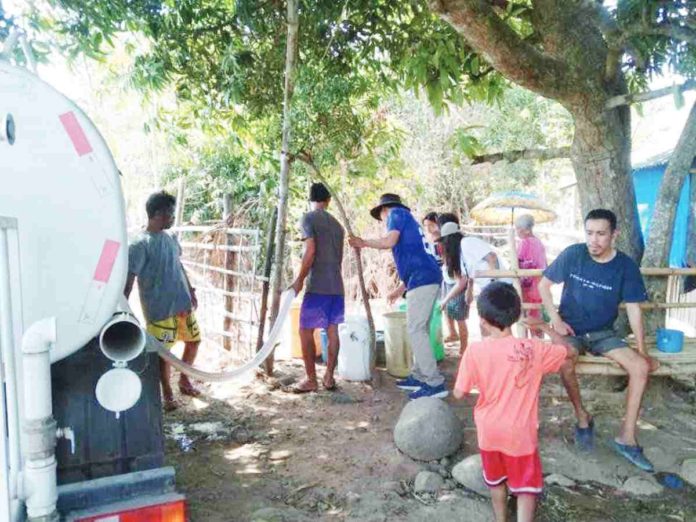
[{"x": 261, "y": 355}]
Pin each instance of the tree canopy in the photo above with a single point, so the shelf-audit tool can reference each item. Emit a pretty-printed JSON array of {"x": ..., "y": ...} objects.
[{"x": 225, "y": 58}]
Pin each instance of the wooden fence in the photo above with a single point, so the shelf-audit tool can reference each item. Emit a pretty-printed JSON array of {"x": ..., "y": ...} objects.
[{"x": 223, "y": 265}]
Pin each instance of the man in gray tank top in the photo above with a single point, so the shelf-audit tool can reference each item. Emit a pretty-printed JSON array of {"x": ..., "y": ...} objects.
[
  {"x": 166, "y": 295},
  {"x": 323, "y": 303}
]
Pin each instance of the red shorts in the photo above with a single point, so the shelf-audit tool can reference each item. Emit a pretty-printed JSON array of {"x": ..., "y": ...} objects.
[{"x": 522, "y": 474}]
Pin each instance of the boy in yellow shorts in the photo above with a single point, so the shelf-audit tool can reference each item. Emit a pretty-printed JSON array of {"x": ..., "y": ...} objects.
[{"x": 166, "y": 295}]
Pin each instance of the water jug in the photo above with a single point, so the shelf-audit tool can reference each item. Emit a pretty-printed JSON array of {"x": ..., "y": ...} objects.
[{"x": 354, "y": 353}]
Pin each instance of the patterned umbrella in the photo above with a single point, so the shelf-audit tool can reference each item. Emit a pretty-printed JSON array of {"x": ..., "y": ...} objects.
[{"x": 499, "y": 209}]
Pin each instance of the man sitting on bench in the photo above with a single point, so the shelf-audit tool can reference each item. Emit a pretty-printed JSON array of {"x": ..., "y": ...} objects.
[{"x": 597, "y": 278}]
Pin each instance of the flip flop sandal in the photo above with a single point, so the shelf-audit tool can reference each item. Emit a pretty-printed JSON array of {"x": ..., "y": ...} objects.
[{"x": 584, "y": 437}]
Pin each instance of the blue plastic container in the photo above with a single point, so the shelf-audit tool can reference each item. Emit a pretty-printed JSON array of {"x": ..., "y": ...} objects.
[
  {"x": 669, "y": 341},
  {"x": 324, "y": 345}
]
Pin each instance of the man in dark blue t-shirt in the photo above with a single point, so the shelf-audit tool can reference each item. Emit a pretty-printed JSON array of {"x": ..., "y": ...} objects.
[
  {"x": 597, "y": 278},
  {"x": 420, "y": 277}
]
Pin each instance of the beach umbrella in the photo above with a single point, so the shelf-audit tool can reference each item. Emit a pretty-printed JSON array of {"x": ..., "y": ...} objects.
[{"x": 500, "y": 209}]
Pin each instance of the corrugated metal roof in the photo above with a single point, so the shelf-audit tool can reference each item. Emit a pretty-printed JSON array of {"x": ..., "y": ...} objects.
[{"x": 654, "y": 161}]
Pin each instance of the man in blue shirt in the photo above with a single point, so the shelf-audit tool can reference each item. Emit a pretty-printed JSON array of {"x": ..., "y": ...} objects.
[
  {"x": 420, "y": 277},
  {"x": 597, "y": 278}
]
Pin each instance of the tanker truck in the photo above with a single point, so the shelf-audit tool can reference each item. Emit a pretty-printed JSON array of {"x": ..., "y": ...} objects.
[{"x": 81, "y": 434}]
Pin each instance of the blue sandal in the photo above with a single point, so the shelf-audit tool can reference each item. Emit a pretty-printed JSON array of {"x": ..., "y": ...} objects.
[
  {"x": 584, "y": 437},
  {"x": 634, "y": 454}
]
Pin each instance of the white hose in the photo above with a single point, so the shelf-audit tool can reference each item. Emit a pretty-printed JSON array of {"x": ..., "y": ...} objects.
[{"x": 286, "y": 301}]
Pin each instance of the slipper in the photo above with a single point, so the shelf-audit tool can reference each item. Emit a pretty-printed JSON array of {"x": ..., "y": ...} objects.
[
  {"x": 634, "y": 454},
  {"x": 304, "y": 387},
  {"x": 333, "y": 386},
  {"x": 584, "y": 437}
]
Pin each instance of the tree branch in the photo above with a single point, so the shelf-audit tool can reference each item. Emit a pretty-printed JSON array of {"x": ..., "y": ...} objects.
[
  {"x": 504, "y": 49},
  {"x": 528, "y": 154},
  {"x": 617, "y": 40},
  {"x": 677, "y": 32},
  {"x": 628, "y": 99}
]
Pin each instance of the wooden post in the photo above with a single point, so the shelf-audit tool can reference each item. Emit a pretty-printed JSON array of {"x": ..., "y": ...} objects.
[
  {"x": 515, "y": 265},
  {"x": 284, "y": 182},
  {"x": 266, "y": 279},
  {"x": 229, "y": 278},
  {"x": 179, "y": 209}
]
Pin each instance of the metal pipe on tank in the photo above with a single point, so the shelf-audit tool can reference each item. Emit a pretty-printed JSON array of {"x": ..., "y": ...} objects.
[{"x": 40, "y": 490}]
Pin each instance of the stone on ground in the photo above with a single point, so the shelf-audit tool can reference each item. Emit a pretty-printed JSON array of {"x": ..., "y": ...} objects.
[
  {"x": 428, "y": 482},
  {"x": 559, "y": 480},
  {"x": 641, "y": 486},
  {"x": 661, "y": 459},
  {"x": 688, "y": 471},
  {"x": 469, "y": 473},
  {"x": 428, "y": 429},
  {"x": 269, "y": 514}
]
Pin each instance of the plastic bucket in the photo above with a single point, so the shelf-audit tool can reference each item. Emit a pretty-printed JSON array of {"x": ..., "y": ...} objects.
[
  {"x": 669, "y": 341},
  {"x": 397, "y": 349},
  {"x": 435, "y": 333}
]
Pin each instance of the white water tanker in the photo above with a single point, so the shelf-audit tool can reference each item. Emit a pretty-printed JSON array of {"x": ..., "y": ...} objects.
[{"x": 63, "y": 263}]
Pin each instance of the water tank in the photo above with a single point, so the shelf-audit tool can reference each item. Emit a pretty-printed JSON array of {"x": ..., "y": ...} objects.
[{"x": 62, "y": 186}]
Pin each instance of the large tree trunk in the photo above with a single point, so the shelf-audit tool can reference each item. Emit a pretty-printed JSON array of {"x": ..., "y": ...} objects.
[
  {"x": 290, "y": 59},
  {"x": 572, "y": 65},
  {"x": 659, "y": 241},
  {"x": 601, "y": 158}
]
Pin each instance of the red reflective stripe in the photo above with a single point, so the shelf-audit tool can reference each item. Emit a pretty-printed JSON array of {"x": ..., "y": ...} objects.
[
  {"x": 76, "y": 134},
  {"x": 106, "y": 260}
]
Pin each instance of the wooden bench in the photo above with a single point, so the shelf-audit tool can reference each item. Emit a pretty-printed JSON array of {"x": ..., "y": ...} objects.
[{"x": 682, "y": 363}]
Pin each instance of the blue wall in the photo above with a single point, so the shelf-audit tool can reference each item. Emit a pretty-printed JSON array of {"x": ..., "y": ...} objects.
[{"x": 647, "y": 184}]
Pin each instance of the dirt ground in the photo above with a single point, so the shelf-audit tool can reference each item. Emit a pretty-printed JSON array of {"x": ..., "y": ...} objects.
[{"x": 249, "y": 451}]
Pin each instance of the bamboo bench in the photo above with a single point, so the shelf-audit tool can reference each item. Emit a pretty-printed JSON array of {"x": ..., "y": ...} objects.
[{"x": 681, "y": 363}]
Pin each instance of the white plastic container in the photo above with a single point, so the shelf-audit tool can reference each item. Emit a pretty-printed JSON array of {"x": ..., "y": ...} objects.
[{"x": 354, "y": 354}]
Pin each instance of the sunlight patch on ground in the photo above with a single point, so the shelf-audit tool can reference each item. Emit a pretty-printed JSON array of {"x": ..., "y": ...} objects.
[
  {"x": 199, "y": 404},
  {"x": 645, "y": 425}
]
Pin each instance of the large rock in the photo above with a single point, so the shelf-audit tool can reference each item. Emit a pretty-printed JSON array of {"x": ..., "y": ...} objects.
[
  {"x": 428, "y": 429},
  {"x": 641, "y": 486},
  {"x": 688, "y": 471},
  {"x": 469, "y": 473},
  {"x": 428, "y": 482}
]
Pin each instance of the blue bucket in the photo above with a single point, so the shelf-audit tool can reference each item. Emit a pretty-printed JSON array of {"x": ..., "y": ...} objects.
[{"x": 670, "y": 341}]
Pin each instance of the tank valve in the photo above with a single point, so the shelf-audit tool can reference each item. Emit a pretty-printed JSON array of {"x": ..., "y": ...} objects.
[{"x": 67, "y": 434}]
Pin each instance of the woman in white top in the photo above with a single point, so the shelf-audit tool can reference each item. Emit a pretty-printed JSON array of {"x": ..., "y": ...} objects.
[
  {"x": 456, "y": 301},
  {"x": 475, "y": 255}
]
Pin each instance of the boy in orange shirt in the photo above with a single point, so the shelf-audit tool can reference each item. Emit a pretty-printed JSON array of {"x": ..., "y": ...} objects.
[{"x": 507, "y": 373}]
